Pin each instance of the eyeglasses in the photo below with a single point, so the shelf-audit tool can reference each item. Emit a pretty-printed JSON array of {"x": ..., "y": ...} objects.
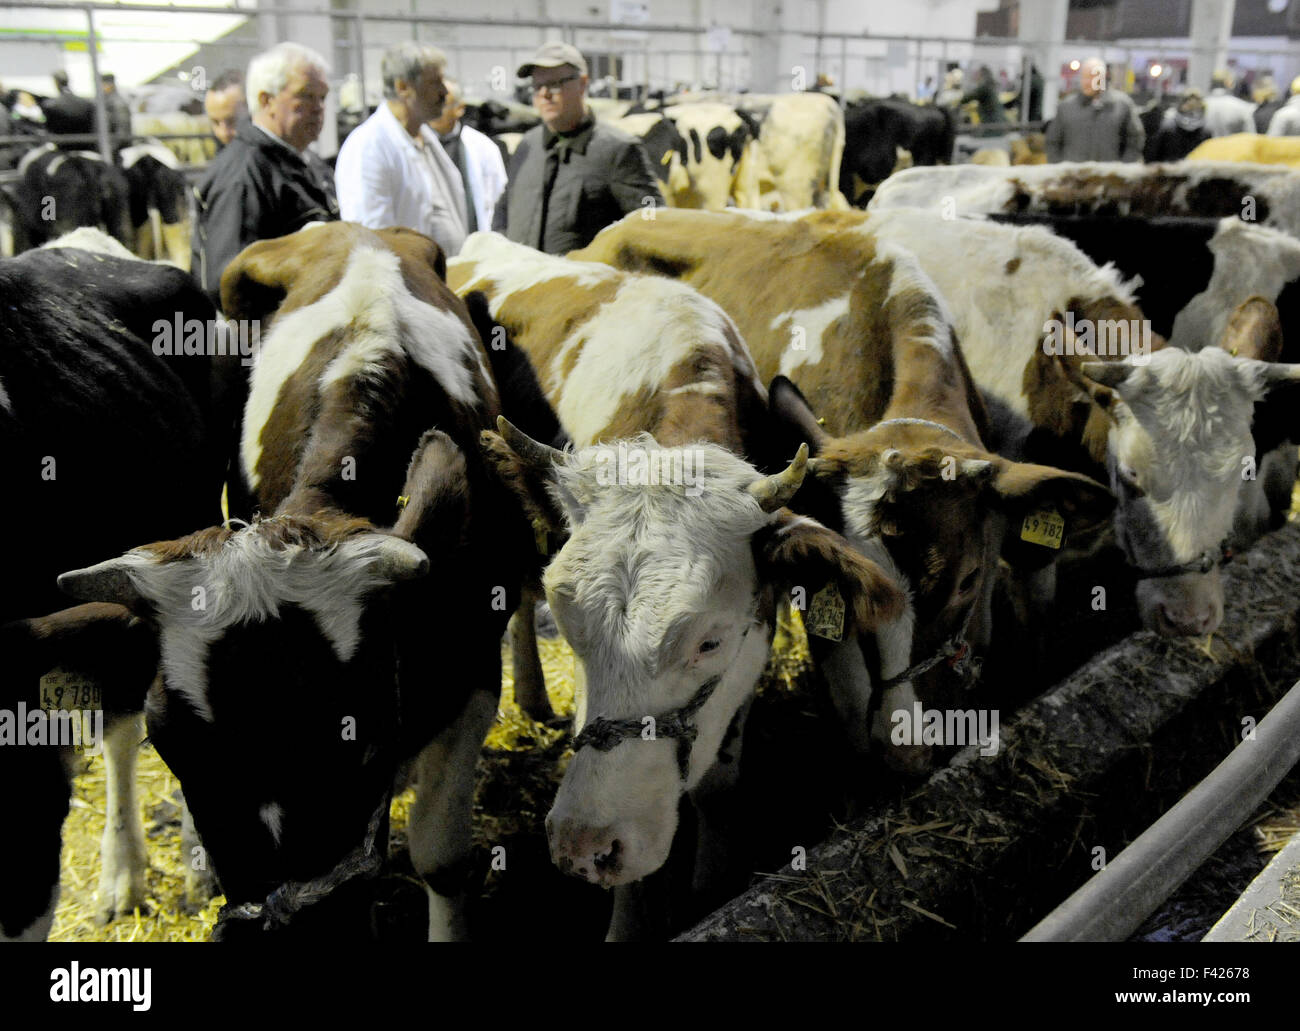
[{"x": 553, "y": 87}]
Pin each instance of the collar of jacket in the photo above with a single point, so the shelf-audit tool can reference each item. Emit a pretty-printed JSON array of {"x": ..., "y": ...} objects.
[
  {"x": 254, "y": 135},
  {"x": 577, "y": 140}
]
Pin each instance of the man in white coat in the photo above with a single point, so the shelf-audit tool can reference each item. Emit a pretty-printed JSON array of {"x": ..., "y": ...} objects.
[
  {"x": 391, "y": 170},
  {"x": 475, "y": 155}
]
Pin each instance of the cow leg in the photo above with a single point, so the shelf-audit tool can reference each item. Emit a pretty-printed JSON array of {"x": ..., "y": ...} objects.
[
  {"x": 200, "y": 883},
  {"x": 439, "y": 830},
  {"x": 122, "y": 854},
  {"x": 530, "y": 683}
]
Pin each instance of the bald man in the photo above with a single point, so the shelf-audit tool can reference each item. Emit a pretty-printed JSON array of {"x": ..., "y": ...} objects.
[{"x": 1095, "y": 124}]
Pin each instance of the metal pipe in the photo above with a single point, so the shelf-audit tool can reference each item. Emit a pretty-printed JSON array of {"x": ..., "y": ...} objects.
[
  {"x": 1113, "y": 904},
  {"x": 101, "y": 109}
]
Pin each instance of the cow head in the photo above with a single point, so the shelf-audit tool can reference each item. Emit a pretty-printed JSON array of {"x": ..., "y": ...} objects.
[
  {"x": 937, "y": 513},
  {"x": 281, "y": 647},
  {"x": 665, "y": 591},
  {"x": 1178, "y": 446}
]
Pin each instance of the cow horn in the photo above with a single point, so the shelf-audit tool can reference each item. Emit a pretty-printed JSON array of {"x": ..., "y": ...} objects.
[
  {"x": 772, "y": 492},
  {"x": 534, "y": 453},
  {"x": 105, "y": 581}
]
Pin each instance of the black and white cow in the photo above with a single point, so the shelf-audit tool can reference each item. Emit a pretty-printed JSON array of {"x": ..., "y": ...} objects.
[
  {"x": 59, "y": 191},
  {"x": 102, "y": 440},
  {"x": 298, "y": 675}
]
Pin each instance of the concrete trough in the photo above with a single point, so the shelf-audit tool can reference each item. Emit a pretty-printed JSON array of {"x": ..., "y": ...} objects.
[{"x": 991, "y": 844}]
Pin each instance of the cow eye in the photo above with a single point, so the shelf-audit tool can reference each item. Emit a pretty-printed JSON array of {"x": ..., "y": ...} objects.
[
  {"x": 968, "y": 581},
  {"x": 709, "y": 646},
  {"x": 1128, "y": 480}
]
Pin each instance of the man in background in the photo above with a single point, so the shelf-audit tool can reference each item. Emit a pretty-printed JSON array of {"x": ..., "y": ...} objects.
[
  {"x": 392, "y": 171},
  {"x": 266, "y": 183},
  {"x": 571, "y": 176},
  {"x": 476, "y": 157},
  {"x": 1095, "y": 124},
  {"x": 224, "y": 105},
  {"x": 1226, "y": 113}
]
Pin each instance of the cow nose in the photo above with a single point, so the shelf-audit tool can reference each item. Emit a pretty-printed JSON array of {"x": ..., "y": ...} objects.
[
  {"x": 592, "y": 853},
  {"x": 1187, "y": 623}
]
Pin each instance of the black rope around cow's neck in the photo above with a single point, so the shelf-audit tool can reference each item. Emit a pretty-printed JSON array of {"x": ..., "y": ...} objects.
[{"x": 289, "y": 898}]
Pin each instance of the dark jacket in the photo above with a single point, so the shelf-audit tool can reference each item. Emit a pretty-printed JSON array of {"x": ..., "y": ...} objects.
[
  {"x": 255, "y": 189},
  {"x": 602, "y": 174},
  {"x": 1107, "y": 129},
  {"x": 1173, "y": 142},
  {"x": 990, "y": 104},
  {"x": 1265, "y": 112}
]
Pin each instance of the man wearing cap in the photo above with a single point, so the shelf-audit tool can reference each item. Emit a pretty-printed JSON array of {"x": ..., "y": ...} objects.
[
  {"x": 392, "y": 171},
  {"x": 571, "y": 176}
]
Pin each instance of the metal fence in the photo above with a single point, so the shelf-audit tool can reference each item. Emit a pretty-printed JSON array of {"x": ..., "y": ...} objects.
[{"x": 181, "y": 49}]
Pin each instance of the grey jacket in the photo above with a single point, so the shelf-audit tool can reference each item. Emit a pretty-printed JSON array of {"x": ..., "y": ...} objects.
[
  {"x": 1104, "y": 129},
  {"x": 602, "y": 174}
]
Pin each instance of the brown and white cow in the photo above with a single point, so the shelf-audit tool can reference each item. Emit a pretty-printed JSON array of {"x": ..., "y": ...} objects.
[
  {"x": 667, "y": 585},
  {"x": 1171, "y": 428},
  {"x": 297, "y": 671},
  {"x": 900, "y": 464}
]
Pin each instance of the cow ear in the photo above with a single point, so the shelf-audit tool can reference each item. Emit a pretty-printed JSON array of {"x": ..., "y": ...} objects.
[
  {"x": 1021, "y": 490},
  {"x": 792, "y": 415},
  {"x": 797, "y": 552},
  {"x": 107, "y": 581},
  {"x": 104, "y": 643},
  {"x": 435, "y": 496},
  {"x": 1254, "y": 330}
]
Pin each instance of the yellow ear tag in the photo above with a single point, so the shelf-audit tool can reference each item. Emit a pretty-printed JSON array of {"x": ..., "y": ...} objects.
[
  {"x": 668, "y": 156},
  {"x": 402, "y": 501},
  {"x": 539, "y": 537},
  {"x": 1043, "y": 526},
  {"x": 825, "y": 616},
  {"x": 64, "y": 691}
]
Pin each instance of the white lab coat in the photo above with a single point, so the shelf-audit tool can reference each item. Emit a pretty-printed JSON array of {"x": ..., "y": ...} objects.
[
  {"x": 382, "y": 180},
  {"x": 487, "y": 172}
]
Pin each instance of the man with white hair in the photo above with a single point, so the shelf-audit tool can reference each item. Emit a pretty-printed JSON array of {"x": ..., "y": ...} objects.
[
  {"x": 392, "y": 171},
  {"x": 1095, "y": 124},
  {"x": 265, "y": 183}
]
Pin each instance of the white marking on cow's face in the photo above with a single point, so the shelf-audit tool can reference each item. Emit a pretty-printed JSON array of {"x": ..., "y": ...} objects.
[
  {"x": 657, "y": 593},
  {"x": 272, "y": 815},
  {"x": 805, "y": 330},
  {"x": 248, "y": 580},
  {"x": 1249, "y": 260},
  {"x": 382, "y": 319},
  {"x": 1183, "y": 430}
]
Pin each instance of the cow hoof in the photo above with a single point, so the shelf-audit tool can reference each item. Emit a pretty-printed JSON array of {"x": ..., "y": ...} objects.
[{"x": 120, "y": 897}]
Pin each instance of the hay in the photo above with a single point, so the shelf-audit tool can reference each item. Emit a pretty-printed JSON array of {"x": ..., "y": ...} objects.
[{"x": 519, "y": 771}]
